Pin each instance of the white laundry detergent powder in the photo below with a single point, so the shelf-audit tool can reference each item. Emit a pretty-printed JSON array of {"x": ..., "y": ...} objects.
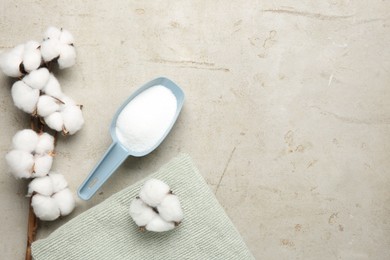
[{"x": 144, "y": 121}]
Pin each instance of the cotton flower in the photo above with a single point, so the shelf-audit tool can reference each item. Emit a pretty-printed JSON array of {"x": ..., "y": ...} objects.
[
  {"x": 65, "y": 201},
  {"x": 24, "y": 97},
  {"x": 158, "y": 224},
  {"x": 52, "y": 87},
  {"x": 55, "y": 121},
  {"x": 51, "y": 197},
  {"x": 37, "y": 79},
  {"x": 43, "y": 186},
  {"x": 21, "y": 163},
  {"x": 59, "y": 182},
  {"x": 153, "y": 192},
  {"x": 45, "y": 207},
  {"x": 45, "y": 144},
  {"x": 31, "y": 155},
  {"x": 170, "y": 209},
  {"x": 58, "y": 45},
  {"x": 31, "y": 56},
  {"x": 25, "y": 140},
  {"x": 42, "y": 165},
  {"x": 141, "y": 213},
  {"x": 157, "y": 209},
  {"x": 61, "y": 114},
  {"x": 47, "y": 105},
  {"x": 72, "y": 118},
  {"x": 22, "y": 59},
  {"x": 10, "y": 61},
  {"x": 39, "y": 93},
  {"x": 39, "y": 88}
]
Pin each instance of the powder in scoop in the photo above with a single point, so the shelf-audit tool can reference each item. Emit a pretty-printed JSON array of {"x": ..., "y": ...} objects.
[{"x": 146, "y": 118}]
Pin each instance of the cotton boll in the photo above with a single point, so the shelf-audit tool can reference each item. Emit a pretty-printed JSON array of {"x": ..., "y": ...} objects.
[
  {"x": 59, "y": 182},
  {"x": 45, "y": 144},
  {"x": 37, "y": 79},
  {"x": 55, "y": 121},
  {"x": 153, "y": 192},
  {"x": 170, "y": 208},
  {"x": 141, "y": 213},
  {"x": 31, "y": 56},
  {"x": 68, "y": 101},
  {"x": 24, "y": 97},
  {"x": 45, "y": 208},
  {"x": 50, "y": 49},
  {"x": 42, "y": 165},
  {"x": 52, "y": 87},
  {"x": 52, "y": 33},
  {"x": 67, "y": 56},
  {"x": 65, "y": 201},
  {"x": 66, "y": 37},
  {"x": 10, "y": 61},
  {"x": 157, "y": 224},
  {"x": 20, "y": 163},
  {"x": 25, "y": 140},
  {"x": 73, "y": 119},
  {"x": 42, "y": 185},
  {"x": 47, "y": 105}
]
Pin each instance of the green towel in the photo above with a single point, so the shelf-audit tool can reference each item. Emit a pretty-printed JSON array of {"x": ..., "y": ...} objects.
[{"x": 107, "y": 232}]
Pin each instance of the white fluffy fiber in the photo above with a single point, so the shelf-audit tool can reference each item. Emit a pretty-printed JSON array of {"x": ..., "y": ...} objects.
[
  {"x": 51, "y": 197},
  {"x": 40, "y": 93},
  {"x": 37, "y": 79},
  {"x": 153, "y": 192},
  {"x": 45, "y": 207},
  {"x": 52, "y": 87},
  {"x": 31, "y": 154},
  {"x": 58, "y": 44},
  {"x": 45, "y": 144},
  {"x": 31, "y": 56},
  {"x": 23, "y": 58},
  {"x": 156, "y": 209},
  {"x": 26, "y": 92},
  {"x": 61, "y": 114},
  {"x": 25, "y": 140},
  {"x": 24, "y": 97},
  {"x": 10, "y": 61},
  {"x": 21, "y": 163},
  {"x": 158, "y": 224},
  {"x": 170, "y": 209},
  {"x": 47, "y": 105},
  {"x": 141, "y": 213},
  {"x": 42, "y": 165}
]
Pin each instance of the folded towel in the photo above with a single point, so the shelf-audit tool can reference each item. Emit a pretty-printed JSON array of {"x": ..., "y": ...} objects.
[{"x": 107, "y": 231}]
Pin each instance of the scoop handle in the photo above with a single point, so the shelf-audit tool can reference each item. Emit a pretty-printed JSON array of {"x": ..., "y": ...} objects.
[{"x": 111, "y": 160}]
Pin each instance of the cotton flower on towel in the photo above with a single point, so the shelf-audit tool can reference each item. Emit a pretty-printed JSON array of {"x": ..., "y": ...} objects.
[
  {"x": 32, "y": 154},
  {"x": 156, "y": 208},
  {"x": 58, "y": 45},
  {"x": 51, "y": 197}
]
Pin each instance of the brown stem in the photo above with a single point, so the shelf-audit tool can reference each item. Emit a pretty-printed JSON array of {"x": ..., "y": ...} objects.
[
  {"x": 31, "y": 230},
  {"x": 32, "y": 122}
]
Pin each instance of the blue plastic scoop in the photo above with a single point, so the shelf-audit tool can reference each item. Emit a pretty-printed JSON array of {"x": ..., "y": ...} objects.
[{"x": 117, "y": 152}]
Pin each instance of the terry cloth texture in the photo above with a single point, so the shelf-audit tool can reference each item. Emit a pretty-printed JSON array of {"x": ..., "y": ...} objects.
[{"x": 107, "y": 231}]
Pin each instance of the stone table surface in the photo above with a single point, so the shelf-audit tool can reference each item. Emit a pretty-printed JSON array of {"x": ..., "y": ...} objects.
[{"x": 286, "y": 115}]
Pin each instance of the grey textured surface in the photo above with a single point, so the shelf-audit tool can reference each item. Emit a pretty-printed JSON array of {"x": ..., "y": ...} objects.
[{"x": 287, "y": 112}]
